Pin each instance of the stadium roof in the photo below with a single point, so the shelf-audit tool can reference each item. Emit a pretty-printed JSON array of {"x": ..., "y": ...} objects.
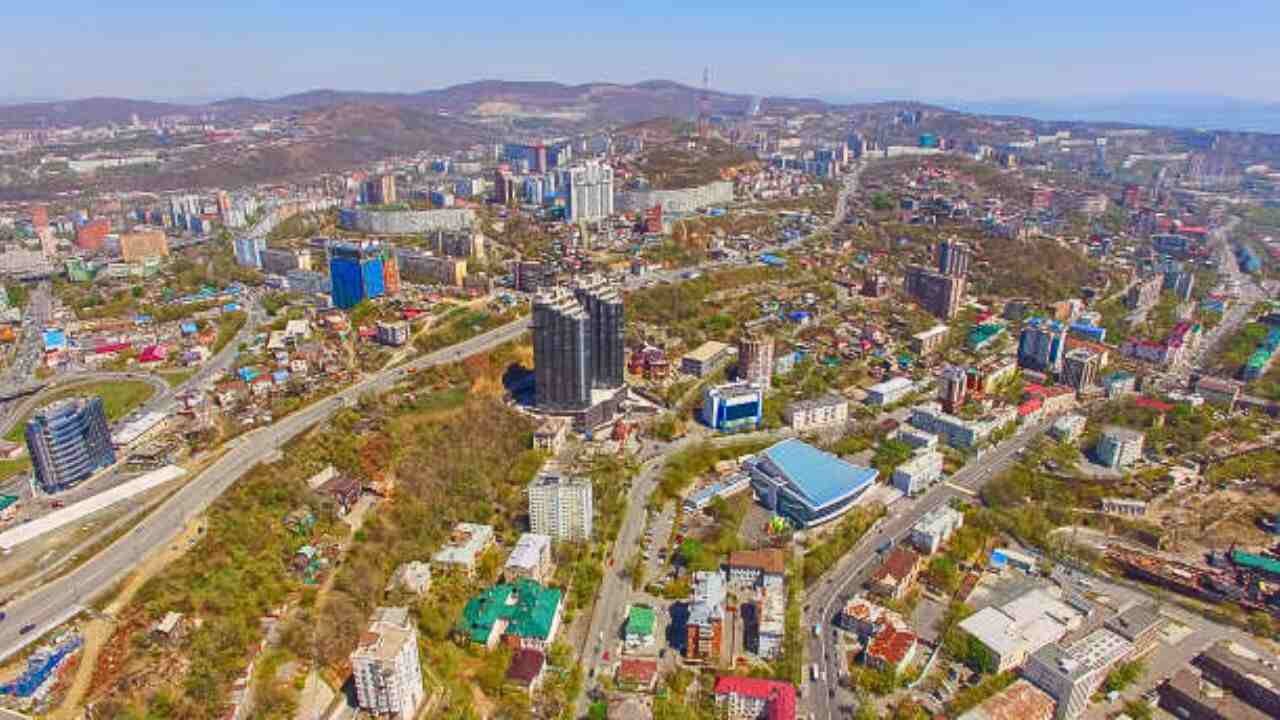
[{"x": 822, "y": 478}]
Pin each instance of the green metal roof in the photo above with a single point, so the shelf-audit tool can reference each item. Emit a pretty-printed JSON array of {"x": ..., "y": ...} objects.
[
  {"x": 640, "y": 620},
  {"x": 528, "y": 608},
  {"x": 7, "y": 500},
  {"x": 1256, "y": 562}
]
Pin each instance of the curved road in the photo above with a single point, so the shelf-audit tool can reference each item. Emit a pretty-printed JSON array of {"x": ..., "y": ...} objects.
[
  {"x": 59, "y": 600},
  {"x": 163, "y": 393}
]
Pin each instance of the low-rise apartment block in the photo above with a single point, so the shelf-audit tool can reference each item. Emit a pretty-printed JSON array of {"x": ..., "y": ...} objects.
[
  {"x": 826, "y": 411},
  {"x": 530, "y": 558},
  {"x": 920, "y": 472},
  {"x": 1018, "y": 628},
  {"x": 1071, "y": 674},
  {"x": 467, "y": 543},
  {"x": 934, "y": 528}
]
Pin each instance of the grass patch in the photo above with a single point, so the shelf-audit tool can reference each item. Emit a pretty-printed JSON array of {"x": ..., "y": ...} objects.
[
  {"x": 10, "y": 468},
  {"x": 684, "y": 467},
  {"x": 177, "y": 377},
  {"x": 119, "y": 398}
]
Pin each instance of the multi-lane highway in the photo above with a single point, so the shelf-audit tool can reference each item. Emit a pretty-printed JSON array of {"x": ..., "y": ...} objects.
[
  {"x": 60, "y": 599},
  {"x": 823, "y": 601}
]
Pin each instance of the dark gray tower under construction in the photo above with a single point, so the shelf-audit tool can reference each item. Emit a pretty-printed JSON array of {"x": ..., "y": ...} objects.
[{"x": 577, "y": 347}]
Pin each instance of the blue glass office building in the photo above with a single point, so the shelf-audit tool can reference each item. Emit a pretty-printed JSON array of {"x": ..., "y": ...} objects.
[
  {"x": 69, "y": 441},
  {"x": 356, "y": 272}
]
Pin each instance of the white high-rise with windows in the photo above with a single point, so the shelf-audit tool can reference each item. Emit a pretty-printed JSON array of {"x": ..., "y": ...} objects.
[
  {"x": 561, "y": 507},
  {"x": 385, "y": 667},
  {"x": 590, "y": 191}
]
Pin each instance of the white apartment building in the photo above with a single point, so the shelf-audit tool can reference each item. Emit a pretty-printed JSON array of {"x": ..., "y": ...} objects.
[
  {"x": 590, "y": 187},
  {"x": 934, "y": 528},
  {"x": 1119, "y": 447},
  {"x": 385, "y": 667},
  {"x": 818, "y": 412},
  {"x": 918, "y": 473},
  {"x": 561, "y": 507}
]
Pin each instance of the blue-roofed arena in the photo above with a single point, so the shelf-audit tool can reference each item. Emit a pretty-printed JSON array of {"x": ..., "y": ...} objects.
[{"x": 806, "y": 485}]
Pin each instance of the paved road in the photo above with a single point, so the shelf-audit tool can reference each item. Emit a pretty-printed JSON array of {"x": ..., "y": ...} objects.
[
  {"x": 823, "y": 601},
  {"x": 60, "y": 599},
  {"x": 27, "y": 356},
  {"x": 615, "y": 590},
  {"x": 162, "y": 396},
  {"x": 1178, "y": 376}
]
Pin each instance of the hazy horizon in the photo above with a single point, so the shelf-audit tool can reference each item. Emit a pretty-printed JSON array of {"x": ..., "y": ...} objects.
[{"x": 813, "y": 49}]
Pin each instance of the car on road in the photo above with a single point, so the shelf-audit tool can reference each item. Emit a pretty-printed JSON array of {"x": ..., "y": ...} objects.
[
  {"x": 26, "y": 629},
  {"x": 3, "y": 616}
]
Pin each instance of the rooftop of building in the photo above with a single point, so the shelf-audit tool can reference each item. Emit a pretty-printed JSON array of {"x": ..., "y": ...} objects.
[
  {"x": 526, "y": 665},
  {"x": 769, "y": 560},
  {"x": 822, "y": 478},
  {"x": 1034, "y": 618},
  {"x": 707, "y": 603},
  {"x": 528, "y": 607},
  {"x": 898, "y": 564},
  {"x": 529, "y": 550},
  {"x": 1122, "y": 434},
  {"x": 1227, "y": 705},
  {"x": 388, "y": 632},
  {"x": 829, "y": 400},
  {"x": 891, "y": 385},
  {"x": 863, "y": 610},
  {"x": 781, "y": 695},
  {"x": 1259, "y": 666},
  {"x": 1019, "y": 701},
  {"x": 1099, "y": 649},
  {"x": 465, "y": 542},
  {"x": 640, "y": 620},
  {"x": 707, "y": 351},
  {"x": 1132, "y": 622},
  {"x": 932, "y": 332},
  {"x": 938, "y": 519},
  {"x": 636, "y": 671},
  {"x": 549, "y": 479},
  {"x": 891, "y": 645}
]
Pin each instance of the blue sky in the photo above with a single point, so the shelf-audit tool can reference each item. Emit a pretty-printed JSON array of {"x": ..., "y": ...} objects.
[{"x": 930, "y": 49}]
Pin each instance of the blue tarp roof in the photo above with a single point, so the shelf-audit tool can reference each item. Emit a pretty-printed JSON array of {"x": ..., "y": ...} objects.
[
  {"x": 54, "y": 339},
  {"x": 820, "y": 476}
]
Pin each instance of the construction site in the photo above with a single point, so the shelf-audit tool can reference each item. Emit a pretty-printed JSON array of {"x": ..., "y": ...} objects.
[{"x": 1249, "y": 580}]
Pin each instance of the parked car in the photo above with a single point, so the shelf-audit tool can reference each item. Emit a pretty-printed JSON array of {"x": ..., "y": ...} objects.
[{"x": 26, "y": 629}]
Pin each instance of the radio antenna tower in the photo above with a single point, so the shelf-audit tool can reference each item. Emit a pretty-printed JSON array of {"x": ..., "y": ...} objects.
[{"x": 704, "y": 105}]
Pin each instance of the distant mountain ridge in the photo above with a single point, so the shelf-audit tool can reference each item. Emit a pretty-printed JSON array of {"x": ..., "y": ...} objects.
[{"x": 596, "y": 101}]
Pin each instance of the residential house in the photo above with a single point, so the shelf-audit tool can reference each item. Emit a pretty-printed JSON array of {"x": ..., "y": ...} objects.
[
  {"x": 526, "y": 669},
  {"x": 896, "y": 574},
  {"x": 467, "y": 543}
]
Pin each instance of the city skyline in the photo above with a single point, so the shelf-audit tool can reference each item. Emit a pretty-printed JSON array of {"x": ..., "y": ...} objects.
[{"x": 933, "y": 52}]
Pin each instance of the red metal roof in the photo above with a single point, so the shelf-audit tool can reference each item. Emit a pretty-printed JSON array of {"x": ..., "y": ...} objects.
[
  {"x": 891, "y": 645},
  {"x": 637, "y": 672},
  {"x": 526, "y": 666},
  {"x": 1152, "y": 403},
  {"x": 111, "y": 348},
  {"x": 781, "y": 696}
]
